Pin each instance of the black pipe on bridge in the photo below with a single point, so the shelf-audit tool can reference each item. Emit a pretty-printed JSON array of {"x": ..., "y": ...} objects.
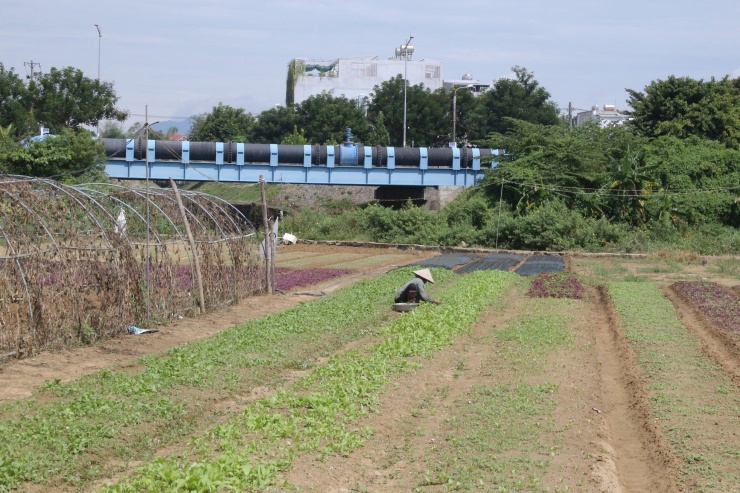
[{"x": 166, "y": 150}]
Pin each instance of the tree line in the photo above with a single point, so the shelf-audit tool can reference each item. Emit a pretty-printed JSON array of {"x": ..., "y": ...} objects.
[
  {"x": 378, "y": 120},
  {"x": 675, "y": 164}
]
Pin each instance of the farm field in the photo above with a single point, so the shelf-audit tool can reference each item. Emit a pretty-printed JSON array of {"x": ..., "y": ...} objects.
[{"x": 630, "y": 385}]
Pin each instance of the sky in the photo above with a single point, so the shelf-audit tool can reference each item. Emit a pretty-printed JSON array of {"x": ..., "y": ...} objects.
[{"x": 171, "y": 60}]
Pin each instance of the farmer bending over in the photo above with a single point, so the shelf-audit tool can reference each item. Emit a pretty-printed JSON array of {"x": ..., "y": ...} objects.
[{"x": 413, "y": 291}]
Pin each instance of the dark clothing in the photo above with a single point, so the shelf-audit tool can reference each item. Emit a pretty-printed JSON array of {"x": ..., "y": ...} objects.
[{"x": 414, "y": 284}]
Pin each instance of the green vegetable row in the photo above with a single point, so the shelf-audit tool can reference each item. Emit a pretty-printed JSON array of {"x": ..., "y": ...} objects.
[
  {"x": 61, "y": 435},
  {"x": 320, "y": 414}
]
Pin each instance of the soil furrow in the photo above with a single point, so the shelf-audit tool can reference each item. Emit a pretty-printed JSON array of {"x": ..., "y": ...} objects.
[{"x": 633, "y": 439}]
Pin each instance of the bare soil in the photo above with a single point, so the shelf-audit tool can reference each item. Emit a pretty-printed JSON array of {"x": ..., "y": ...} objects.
[{"x": 611, "y": 444}]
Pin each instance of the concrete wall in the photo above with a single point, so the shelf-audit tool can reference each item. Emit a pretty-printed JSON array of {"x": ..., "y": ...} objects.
[{"x": 438, "y": 197}]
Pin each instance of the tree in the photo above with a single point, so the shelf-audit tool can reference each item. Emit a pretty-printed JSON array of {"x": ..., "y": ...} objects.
[
  {"x": 112, "y": 130},
  {"x": 521, "y": 98},
  {"x": 325, "y": 117},
  {"x": 8, "y": 140},
  {"x": 378, "y": 135},
  {"x": 223, "y": 124},
  {"x": 682, "y": 107},
  {"x": 72, "y": 156},
  {"x": 575, "y": 163},
  {"x": 698, "y": 176},
  {"x": 297, "y": 138},
  {"x": 635, "y": 181},
  {"x": 13, "y": 105},
  {"x": 67, "y": 99},
  {"x": 427, "y": 116},
  {"x": 274, "y": 125}
]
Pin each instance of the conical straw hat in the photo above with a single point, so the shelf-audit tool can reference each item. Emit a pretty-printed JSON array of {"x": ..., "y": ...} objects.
[{"x": 425, "y": 274}]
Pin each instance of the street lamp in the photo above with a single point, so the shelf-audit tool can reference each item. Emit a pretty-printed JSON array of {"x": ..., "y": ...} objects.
[
  {"x": 405, "y": 53},
  {"x": 454, "y": 109},
  {"x": 100, "y": 36}
]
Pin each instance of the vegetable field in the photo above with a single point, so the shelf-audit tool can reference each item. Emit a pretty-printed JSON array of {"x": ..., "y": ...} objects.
[{"x": 618, "y": 375}]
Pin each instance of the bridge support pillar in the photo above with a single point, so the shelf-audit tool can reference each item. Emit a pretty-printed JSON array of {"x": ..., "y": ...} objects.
[{"x": 438, "y": 197}]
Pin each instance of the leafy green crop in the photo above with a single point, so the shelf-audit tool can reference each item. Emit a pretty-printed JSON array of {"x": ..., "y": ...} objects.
[
  {"x": 129, "y": 413},
  {"x": 319, "y": 413}
]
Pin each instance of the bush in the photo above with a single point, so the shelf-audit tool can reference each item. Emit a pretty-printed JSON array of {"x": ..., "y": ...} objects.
[
  {"x": 553, "y": 227},
  {"x": 550, "y": 227}
]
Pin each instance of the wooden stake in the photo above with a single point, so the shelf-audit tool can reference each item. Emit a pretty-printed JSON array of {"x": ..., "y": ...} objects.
[{"x": 199, "y": 278}]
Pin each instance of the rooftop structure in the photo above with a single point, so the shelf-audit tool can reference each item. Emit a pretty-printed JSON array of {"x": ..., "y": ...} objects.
[
  {"x": 466, "y": 81},
  {"x": 609, "y": 114},
  {"x": 356, "y": 78}
]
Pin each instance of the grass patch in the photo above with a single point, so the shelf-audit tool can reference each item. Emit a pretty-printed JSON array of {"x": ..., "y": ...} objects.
[
  {"x": 503, "y": 437},
  {"x": 677, "y": 373},
  {"x": 726, "y": 267}
]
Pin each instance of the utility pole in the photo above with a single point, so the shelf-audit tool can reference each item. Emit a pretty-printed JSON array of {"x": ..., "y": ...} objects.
[
  {"x": 31, "y": 64},
  {"x": 405, "y": 53},
  {"x": 99, "y": 38},
  {"x": 570, "y": 115}
]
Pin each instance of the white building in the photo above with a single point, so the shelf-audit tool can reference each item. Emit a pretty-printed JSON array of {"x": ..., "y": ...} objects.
[
  {"x": 467, "y": 82},
  {"x": 356, "y": 78},
  {"x": 603, "y": 117}
]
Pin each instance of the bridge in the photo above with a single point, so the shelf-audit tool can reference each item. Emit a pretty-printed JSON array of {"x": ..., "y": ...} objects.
[{"x": 345, "y": 164}]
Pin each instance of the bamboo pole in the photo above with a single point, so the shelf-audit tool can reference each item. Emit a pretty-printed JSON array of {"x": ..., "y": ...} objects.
[{"x": 199, "y": 278}]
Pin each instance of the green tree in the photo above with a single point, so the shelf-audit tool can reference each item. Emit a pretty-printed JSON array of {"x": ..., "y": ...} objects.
[
  {"x": 223, "y": 124},
  {"x": 683, "y": 107},
  {"x": 378, "y": 135},
  {"x": 13, "y": 105},
  {"x": 325, "y": 117},
  {"x": 698, "y": 178},
  {"x": 427, "y": 116},
  {"x": 521, "y": 98},
  {"x": 8, "y": 141},
  {"x": 297, "y": 137},
  {"x": 112, "y": 130},
  {"x": 274, "y": 125},
  {"x": 67, "y": 99},
  {"x": 575, "y": 164},
  {"x": 634, "y": 181},
  {"x": 72, "y": 156}
]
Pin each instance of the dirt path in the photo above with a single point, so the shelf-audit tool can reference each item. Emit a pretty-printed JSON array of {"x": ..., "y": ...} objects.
[{"x": 633, "y": 441}]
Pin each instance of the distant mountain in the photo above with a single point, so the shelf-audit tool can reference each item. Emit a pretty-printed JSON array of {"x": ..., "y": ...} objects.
[{"x": 183, "y": 126}]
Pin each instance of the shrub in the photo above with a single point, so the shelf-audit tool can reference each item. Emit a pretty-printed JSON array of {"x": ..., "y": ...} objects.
[{"x": 553, "y": 227}]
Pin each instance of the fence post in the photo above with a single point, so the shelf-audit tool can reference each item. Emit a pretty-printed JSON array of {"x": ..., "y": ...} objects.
[{"x": 267, "y": 246}]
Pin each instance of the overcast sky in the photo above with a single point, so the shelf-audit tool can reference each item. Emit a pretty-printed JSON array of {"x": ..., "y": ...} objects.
[{"x": 183, "y": 58}]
